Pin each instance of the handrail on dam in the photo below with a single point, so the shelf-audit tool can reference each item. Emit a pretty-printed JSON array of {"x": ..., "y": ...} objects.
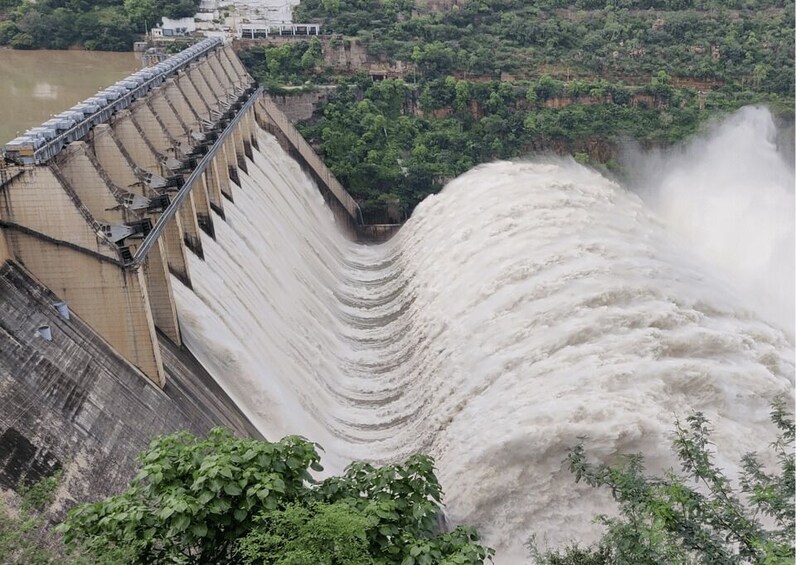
[
  {"x": 40, "y": 144},
  {"x": 168, "y": 214},
  {"x": 312, "y": 159}
]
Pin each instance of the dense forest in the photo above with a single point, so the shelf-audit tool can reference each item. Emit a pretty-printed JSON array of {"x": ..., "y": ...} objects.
[
  {"x": 716, "y": 40},
  {"x": 488, "y": 79},
  {"x": 104, "y": 25}
]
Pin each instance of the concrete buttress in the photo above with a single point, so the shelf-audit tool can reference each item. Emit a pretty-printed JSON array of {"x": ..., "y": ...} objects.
[
  {"x": 221, "y": 74},
  {"x": 182, "y": 109},
  {"x": 220, "y": 168},
  {"x": 201, "y": 201},
  {"x": 190, "y": 226},
  {"x": 114, "y": 162},
  {"x": 193, "y": 101},
  {"x": 194, "y": 81},
  {"x": 210, "y": 76},
  {"x": 161, "y": 296},
  {"x": 136, "y": 146},
  {"x": 87, "y": 181},
  {"x": 154, "y": 135},
  {"x": 167, "y": 116},
  {"x": 54, "y": 236}
]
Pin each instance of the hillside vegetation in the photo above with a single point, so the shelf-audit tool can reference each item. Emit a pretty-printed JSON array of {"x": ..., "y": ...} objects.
[
  {"x": 104, "y": 25},
  {"x": 489, "y": 79}
]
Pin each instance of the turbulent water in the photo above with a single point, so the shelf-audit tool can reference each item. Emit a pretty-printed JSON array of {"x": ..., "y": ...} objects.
[{"x": 524, "y": 306}]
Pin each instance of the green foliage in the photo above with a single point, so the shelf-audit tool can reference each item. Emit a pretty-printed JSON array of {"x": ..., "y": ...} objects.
[
  {"x": 141, "y": 12},
  {"x": 696, "y": 517},
  {"x": 193, "y": 498},
  {"x": 434, "y": 59},
  {"x": 24, "y": 539},
  {"x": 23, "y": 41},
  {"x": 225, "y": 500},
  {"x": 315, "y": 534},
  {"x": 350, "y": 16},
  {"x": 584, "y": 76},
  {"x": 7, "y": 31},
  {"x": 288, "y": 64},
  {"x": 709, "y": 39},
  {"x": 39, "y": 495},
  {"x": 106, "y": 25},
  {"x": 313, "y": 55},
  {"x": 18, "y": 541}
]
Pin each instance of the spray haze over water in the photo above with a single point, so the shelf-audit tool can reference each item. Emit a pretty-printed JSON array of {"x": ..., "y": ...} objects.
[
  {"x": 730, "y": 197},
  {"x": 524, "y": 306}
]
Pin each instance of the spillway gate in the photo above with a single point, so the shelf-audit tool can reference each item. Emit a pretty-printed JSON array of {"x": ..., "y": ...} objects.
[{"x": 104, "y": 211}]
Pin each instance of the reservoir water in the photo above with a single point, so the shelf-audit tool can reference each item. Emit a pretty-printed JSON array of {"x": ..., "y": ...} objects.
[{"x": 38, "y": 84}]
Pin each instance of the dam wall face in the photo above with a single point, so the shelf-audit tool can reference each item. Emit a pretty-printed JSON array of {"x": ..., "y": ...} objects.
[
  {"x": 104, "y": 222},
  {"x": 72, "y": 403},
  {"x": 345, "y": 208},
  {"x": 92, "y": 360}
]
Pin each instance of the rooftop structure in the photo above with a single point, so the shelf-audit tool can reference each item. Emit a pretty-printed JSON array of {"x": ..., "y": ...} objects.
[{"x": 253, "y": 30}]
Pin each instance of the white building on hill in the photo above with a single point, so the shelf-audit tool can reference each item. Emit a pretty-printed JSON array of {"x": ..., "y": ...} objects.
[
  {"x": 238, "y": 18},
  {"x": 174, "y": 28}
]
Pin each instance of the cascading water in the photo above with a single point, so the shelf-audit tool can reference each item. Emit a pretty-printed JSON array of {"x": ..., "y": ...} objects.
[
  {"x": 734, "y": 216},
  {"x": 524, "y": 306}
]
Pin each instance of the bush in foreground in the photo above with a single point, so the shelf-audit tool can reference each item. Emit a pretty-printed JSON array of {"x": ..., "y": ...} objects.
[
  {"x": 223, "y": 499},
  {"x": 694, "y": 517}
]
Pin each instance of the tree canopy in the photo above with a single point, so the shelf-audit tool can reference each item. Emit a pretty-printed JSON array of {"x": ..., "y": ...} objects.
[
  {"x": 104, "y": 25},
  {"x": 483, "y": 80},
  {"x": 222, "y": 499}
]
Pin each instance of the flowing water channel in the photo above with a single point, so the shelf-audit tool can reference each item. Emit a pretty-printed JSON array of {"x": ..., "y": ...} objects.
[
  {"x": 37, "y": 84},
  {"x": 525, "y": 306}
]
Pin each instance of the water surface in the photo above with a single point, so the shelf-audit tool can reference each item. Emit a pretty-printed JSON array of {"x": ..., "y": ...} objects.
[{"x": 38, "y": 84}]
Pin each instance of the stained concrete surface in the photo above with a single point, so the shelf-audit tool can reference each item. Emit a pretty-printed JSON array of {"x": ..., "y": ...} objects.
[{"x": 73, "y": 403}]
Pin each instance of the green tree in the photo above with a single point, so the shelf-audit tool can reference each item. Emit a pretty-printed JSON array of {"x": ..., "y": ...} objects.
[
  {"x": 315, "y": 534},
  {"x": 23, "y": 41},
  {"x": 661, "y": 85},
  {"x": 434, "y": 59},
  {"x": 7, "y": 32},
  {"x": 222, "y": 499},
  {"x": 313, "y": 56},
  {"x": 141, "y": 12},
  {"x": 696, "y": 517}
]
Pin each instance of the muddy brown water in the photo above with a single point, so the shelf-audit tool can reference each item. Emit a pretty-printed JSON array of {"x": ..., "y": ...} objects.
[{"x": 35, "y": 85}]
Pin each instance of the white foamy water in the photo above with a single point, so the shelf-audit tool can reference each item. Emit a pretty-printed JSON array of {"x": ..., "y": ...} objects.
[
  {"x": 526, "y": 305},
  {"x": 730, "y": 196}
]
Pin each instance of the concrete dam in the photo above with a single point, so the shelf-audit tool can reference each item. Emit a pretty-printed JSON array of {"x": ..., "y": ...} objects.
[
  {"x": 189, "y": 262},
  {"x": 102, "y": 207}
]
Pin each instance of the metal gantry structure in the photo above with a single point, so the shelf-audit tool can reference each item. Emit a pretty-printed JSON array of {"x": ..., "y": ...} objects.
[{"x": 40, "y": 144}]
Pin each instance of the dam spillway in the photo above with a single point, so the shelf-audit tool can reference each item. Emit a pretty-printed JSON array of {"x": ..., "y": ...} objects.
[
  {"x": 97, "y": 215},
  {"x": 526, "y": 305}
]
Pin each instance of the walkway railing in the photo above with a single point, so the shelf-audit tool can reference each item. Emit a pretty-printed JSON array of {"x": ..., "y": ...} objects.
[
  {"x": 168, "y": 214},
  {"x": 311, "y": 158}
]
